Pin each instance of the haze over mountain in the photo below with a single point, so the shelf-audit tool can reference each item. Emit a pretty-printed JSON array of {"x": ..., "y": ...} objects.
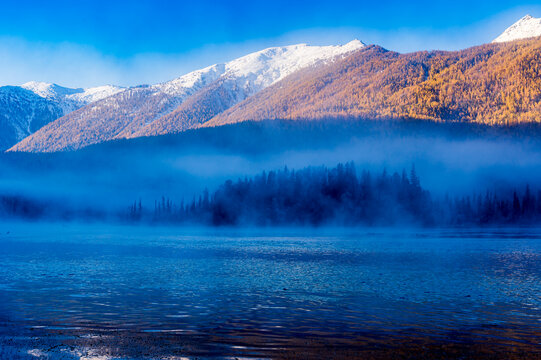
[
  {"x": 159, "y": 109},
  {"x": 25, "y": 109}
]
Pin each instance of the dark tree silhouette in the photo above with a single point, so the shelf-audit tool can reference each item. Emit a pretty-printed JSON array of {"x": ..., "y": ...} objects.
[{"x": 338, "y": 196}]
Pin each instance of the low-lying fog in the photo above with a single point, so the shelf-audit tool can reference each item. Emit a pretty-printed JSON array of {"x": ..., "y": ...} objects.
[{"x": 112, "y": 176}]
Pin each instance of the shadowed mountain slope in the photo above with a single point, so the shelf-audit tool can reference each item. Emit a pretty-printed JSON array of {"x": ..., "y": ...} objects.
[
  {"x": 22, "y": 113},
  {"x": 25, "y": 109}
]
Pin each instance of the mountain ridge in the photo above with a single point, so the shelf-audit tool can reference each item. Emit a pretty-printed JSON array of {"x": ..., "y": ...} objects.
[
  {"x": 496, "y": 83},
  {"x": 25, "y": 109},
  {"x": 492, "y": 83},
  {"x": 78, "y": 96},
  {"x": 131, "y": 112}
]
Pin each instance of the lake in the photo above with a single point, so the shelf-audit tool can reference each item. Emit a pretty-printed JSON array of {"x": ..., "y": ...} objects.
[{"x": 116, "y": 292}]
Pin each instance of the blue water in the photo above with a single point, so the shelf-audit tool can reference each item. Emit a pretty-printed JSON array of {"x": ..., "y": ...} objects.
[{"x": 258, "y": 292}]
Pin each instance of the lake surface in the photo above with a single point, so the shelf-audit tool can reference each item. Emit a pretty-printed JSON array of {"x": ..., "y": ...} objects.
[{"x": 100, "y": 292}]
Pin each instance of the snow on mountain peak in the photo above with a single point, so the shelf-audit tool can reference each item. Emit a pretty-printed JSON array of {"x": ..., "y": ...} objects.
[
  {"x": 95, "y": 93},
  {"x": 266, "y": 67},
  {"x": 60, "y": 93},
  {"x": 525, "y": 28},
  {"x": 48, "y": 90},
  {"x": 157, "y": 109},
  {"x": 260, "y": 69}
]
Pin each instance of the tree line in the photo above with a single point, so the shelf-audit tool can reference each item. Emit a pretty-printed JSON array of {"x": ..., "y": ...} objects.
[
  {"x": 314, "y": 196},
  {"x": 340, "y": 196}
]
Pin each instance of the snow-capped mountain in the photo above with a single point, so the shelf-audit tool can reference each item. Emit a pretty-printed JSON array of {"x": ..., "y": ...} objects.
[
  {"x": 22, "y": 112},
  {"x": 180, "y": 103},
  {"x": 238, "y": 80},
  {"x": 258, "y": 70},
  {"x": 525, "y": 28},
  {"x": 26, "y": 108},
  {"x": 70, "y": 99},
  {"x": 490, "y": 85}
]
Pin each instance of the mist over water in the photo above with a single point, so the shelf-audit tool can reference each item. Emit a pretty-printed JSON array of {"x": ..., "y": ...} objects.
[
  {"x": 76, "y": 290},
  {"x": 450, "y": 159}
]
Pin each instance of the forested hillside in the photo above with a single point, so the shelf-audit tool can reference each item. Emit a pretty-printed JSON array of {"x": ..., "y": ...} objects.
[{"x": 489, "y": 84}]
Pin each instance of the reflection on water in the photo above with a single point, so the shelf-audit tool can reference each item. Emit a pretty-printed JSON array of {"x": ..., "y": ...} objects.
[{"x": 69, "y": 292}]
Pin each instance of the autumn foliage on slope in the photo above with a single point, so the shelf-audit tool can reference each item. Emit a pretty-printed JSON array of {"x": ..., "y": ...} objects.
[{"x": 490, "y": 84}]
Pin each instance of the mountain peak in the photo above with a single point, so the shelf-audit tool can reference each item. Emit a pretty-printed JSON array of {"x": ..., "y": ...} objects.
[
  {"x": 78, "y": 97},
  {"x": 259, "y": 69},
  {"x": 49, "y": 90},
  {"x": 525, "y": 28},
  {"x": 355, "y": 43}
]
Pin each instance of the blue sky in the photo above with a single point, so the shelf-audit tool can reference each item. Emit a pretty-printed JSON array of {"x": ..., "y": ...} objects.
[{"x": 88, "y": 43}]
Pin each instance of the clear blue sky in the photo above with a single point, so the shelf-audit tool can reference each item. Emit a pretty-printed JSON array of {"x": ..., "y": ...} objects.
[{"x": 126, "y": 41}]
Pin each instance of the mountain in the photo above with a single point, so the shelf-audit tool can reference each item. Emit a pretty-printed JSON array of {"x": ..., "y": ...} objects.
[
  {"x": 22, "y": 112},
  {"x": 70, "y": 99},
  {"x": 490, "y": 84},
  {"x": 525, "y": 28},
  {"x": 25, "y": 109},
  {"x": 182, "y": 103},
  {"x": 497, "y": 83}
]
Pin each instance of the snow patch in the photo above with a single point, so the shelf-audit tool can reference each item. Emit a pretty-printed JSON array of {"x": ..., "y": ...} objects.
[
  {"x": 258, "y": 70},
  {"x": 37, "y": 353},
  {"x": 69, "y": 99},
  {"x": 525, "y": 28}
]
